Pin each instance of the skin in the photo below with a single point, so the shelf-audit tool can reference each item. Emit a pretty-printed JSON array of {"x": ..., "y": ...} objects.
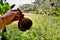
[{"x": 9, "y": 17}]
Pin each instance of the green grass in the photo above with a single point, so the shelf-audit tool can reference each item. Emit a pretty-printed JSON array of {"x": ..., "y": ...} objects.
[{"x": 44, "y": 28}]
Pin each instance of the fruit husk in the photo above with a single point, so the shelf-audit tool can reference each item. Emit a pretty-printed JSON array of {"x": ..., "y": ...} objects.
[{"x": 24, "y": 24}]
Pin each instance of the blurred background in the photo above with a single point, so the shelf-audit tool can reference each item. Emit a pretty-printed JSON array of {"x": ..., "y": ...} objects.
[{"x": 45, "y": 15}]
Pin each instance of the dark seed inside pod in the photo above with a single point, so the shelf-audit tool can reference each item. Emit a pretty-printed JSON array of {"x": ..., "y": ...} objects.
[{"x": 24, "y": 24}]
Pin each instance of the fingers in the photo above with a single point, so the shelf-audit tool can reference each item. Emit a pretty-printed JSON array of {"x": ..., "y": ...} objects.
[
  {"x": 8, "y": 22},
  {"x": 17, "y": 18},
  {"x": 17, "y": 11},
  {"x": 18, "y": 14}
]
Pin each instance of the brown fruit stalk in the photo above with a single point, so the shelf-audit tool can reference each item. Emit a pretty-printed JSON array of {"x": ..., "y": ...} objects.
[{"x": 25, "y": 23}]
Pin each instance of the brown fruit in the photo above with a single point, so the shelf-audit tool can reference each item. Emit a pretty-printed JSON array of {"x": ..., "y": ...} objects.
[{"x": 24, "y": 24}]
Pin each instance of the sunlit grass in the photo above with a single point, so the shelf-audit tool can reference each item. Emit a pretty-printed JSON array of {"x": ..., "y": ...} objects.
[{"x": 44, "y": 28}]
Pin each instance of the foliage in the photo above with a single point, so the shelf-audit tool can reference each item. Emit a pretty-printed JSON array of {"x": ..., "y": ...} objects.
[
  {"x": 26, "y": 7},
  {"x": 44, "y": 28},
  {"x": 57, "y": 10},
  {"x": 4, "y": 8},
  {"x": 46, "y": 5},
  {"x": 1, "y": 2},
  {"x": 39, "y": 6}
]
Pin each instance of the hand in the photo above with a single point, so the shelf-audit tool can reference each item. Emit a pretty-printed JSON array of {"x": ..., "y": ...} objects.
[{"x": 12, "y": 15}]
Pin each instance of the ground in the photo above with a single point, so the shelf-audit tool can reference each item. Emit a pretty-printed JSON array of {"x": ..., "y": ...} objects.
[{"x": 44, "y": 28}]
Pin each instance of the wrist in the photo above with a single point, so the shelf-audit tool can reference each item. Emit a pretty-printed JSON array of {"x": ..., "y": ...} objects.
[{"x": 2, "y": 22}]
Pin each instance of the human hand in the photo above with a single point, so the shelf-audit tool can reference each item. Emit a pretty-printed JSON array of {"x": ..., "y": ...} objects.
[{"x": 12, "y": 15}]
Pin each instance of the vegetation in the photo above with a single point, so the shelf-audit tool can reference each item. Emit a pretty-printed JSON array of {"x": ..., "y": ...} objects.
[
  {"x": 50, "y": 7},
  {"x": 27, "y": 7},
  {"x": 44, "y": 28},
  {"x": 4, "y": 7}
]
